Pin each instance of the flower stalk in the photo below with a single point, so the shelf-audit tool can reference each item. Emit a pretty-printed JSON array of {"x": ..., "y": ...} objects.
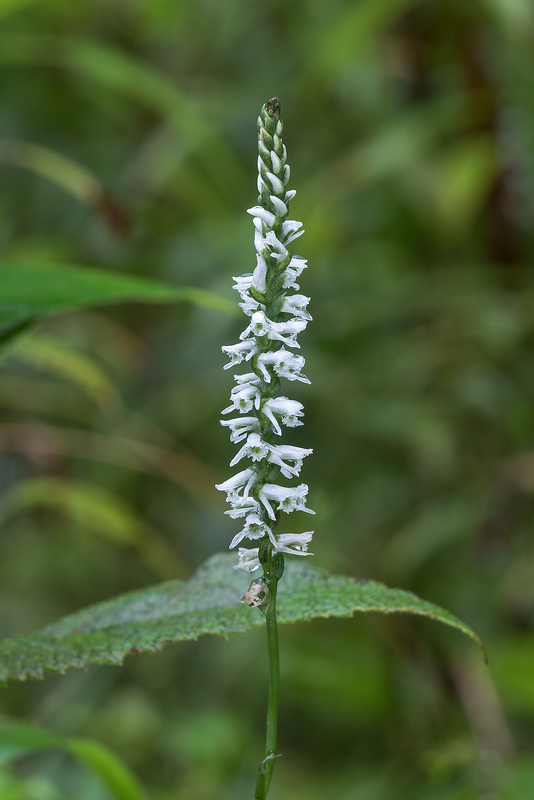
[
  {"x": 267, "y": 345},
  {"x": 265, "y": 770}
]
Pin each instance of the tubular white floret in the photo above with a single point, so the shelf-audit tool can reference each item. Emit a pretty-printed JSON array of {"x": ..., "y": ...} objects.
[
  {"x": 257, "y": 449},
  {"x": 243, "y": 507},
  {"x": 241, "y": 427},
  {"x": 258, "y": 212},
  {"x": 288, "y": 410},
  {"x": 289, "y": 499},
  {"x": 260, "y": 274},
  {"x": 245, "y": 478},
  {"x": 249, "y": 306},
  {"x": 254, "y": 528},
  {"x": 254, "y": 448},
  {"x": 242, "y": 351},
  {"x": 294, "y": 543},
  {"x": 252, "y": 494},
  {"x": 296, "y": 304},
  {"x": 285, "y": 365},
  {"x": 291, "y": 230},
  {"x": 261, "y": 325},
  {"x": 246, "y": 395},
  {"x": 283, "y": 453},
  {"x": 242, "y": 284}
]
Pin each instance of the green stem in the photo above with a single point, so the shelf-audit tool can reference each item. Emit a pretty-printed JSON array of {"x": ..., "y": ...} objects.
[{"x": 265, "y": 770}]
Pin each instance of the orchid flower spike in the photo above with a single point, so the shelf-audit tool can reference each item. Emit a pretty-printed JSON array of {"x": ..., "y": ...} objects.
[{"x": 267, "y": 345}]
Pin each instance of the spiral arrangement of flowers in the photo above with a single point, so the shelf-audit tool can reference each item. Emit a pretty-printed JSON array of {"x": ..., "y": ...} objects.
[{"x": 277, "y": 315}]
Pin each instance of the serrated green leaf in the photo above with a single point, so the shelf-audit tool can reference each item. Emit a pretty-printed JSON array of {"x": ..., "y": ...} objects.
[
  {"x": 146, "y": 620},
  {"x": 33, "y": 290}
]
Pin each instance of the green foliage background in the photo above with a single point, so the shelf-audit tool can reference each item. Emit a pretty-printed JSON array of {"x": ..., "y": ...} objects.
[{"x": 128, "y": 143}]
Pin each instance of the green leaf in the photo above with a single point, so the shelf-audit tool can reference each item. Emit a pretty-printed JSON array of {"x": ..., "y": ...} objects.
[
  {"x": 19, "y": 739},
  {"x": 146, "y": 620},
  {"x": 29, "y": 290}
]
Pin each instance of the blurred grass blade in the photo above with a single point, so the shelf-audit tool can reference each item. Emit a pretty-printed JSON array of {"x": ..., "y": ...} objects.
[
  {"x": 11, "y": 332},
  {"x": 54, "y": 356},
  {"x": 146, "y": 620},
  {"x": 18, "y": 739},
  {"x": 88, "y": 506},
  {"x": 72, "y": 177},
  {"x": 52, "y": 440},
  {"x": 28, "y": 290},
  {"x": 122, "y": 73},
  {"x": 122, "y": 783},
  {"x": 95, "y": 509}
]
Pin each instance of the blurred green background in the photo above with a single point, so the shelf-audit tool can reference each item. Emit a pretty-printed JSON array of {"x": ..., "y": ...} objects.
[{"x": 128, "y": 143}]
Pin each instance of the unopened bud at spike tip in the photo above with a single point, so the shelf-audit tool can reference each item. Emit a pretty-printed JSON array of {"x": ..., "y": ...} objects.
[{"x": 272, "y": 107}]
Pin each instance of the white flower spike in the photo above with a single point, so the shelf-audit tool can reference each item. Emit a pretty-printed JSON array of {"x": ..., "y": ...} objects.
[{"x": 276, "y": 317}]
